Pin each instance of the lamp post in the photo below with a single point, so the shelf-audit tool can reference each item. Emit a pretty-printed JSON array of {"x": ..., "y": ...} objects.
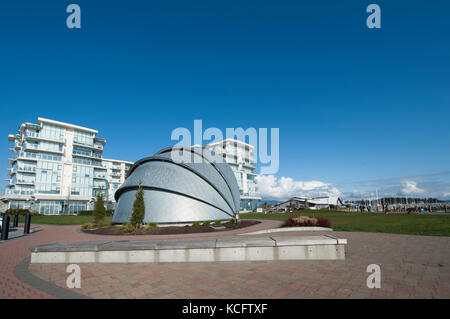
[
  {"x": 27, "y": 224},
  {"x": 5, "y": 227}
]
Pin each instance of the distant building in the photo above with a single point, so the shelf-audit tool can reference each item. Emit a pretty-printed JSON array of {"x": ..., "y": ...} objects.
[
  {"x": 116, "y": 172},
  {"x": 296, "y": 203},
  {"x": 325, "y": 202},
  {"x": 57, "y": 168},
  {"x": 241, "y": 158}
]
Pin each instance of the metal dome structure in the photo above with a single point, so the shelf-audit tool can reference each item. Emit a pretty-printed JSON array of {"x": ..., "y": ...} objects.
[{"x": 179, "y": 192}]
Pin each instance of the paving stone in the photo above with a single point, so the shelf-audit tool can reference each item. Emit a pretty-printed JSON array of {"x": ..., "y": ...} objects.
[{"x": 404, "y": 261}]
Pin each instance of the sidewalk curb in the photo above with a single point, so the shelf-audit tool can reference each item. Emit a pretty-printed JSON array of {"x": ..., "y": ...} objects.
[{"x": 22, "y": 273}]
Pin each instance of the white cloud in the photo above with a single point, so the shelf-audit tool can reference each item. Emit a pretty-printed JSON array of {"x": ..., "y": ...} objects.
[
  {"x": 410, "y": 188},
  {"x": 271, "y": 187}
]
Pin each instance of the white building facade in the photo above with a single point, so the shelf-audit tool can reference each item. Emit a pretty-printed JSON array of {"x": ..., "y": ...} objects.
[
  {"x": 116, "y": 172},
  {"x": 241, "y": 158},
  {"x": 58, "y": 168}
]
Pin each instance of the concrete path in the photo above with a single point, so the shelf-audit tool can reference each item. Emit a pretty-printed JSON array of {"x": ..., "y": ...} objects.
[
  {"x": 411, "y": 267},
  {"x": 13, "y": 252}
]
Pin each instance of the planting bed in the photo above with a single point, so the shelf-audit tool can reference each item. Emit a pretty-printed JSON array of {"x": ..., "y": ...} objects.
[{"x": 170, "y": 230}]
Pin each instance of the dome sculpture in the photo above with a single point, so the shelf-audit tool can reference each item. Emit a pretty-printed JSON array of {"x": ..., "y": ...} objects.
[{"x": 179, "y": 192}]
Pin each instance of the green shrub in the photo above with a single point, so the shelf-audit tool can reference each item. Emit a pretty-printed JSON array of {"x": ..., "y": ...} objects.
[
  {"x": 206, "y": 223},
  {"x": 196, "y": 224},
  {"x": 127, "y": 227},
  {"x": 108, "y": 212},
  {"x": 218, "y": 222},
  {"x": 20, "y": 211},
  {"x": 85, "y": 213},
  {"x": 106, "y": 223},
  {"x": 99, "y": 211},
  {"x": 233, "y": 220},
  {"x": 88, "y": 225},
  {"x": 150, "y": 225},
  {"x": 138, "y": 208}
]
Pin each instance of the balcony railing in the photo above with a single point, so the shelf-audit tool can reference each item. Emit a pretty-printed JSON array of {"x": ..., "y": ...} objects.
[
  {"x": 27, "y": 155},
  {"x": 24, "y": 181},
  {"x": 99, "y": 164},
  {"x": 31, "y": 134},
  {"x": 26, "y": 169},
  {"x": 98, "y": 146},
  {"x": 17, "y": 192},
  {"x": 77, "y": 142},
  {"x": 30, "y": 146}
]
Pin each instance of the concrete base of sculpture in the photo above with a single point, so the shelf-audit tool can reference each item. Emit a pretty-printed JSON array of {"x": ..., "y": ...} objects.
[{"x": 205, "y": 250}]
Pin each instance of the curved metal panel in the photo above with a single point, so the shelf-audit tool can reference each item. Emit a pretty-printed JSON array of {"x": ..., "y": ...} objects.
[
  {"x": 166, "y": 175},
  {"x": 179, "y": 192},
  {"x": 163, "y": 207}
]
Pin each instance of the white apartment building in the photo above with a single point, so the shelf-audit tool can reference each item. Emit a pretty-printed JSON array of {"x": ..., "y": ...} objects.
[
  {"x": 241, "y": 158},
  {"x": 57, "y": 168},
  {"x": 116, "y": 172}
]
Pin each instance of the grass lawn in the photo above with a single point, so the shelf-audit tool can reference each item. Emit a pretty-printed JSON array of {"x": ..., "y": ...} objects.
[
  {"x": 61, "y": 220},
  {"x": 414, "y": 224}
]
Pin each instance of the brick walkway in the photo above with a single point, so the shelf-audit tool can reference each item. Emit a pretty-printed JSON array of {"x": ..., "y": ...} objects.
[
  {"x": 12, "y": 252},
  {"x": 411, "y": 267}
]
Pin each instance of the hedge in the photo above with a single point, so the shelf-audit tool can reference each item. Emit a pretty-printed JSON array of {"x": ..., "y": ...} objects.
[
  {"x": 20, "y": 211},
  {"x": 91, "y": 212}
]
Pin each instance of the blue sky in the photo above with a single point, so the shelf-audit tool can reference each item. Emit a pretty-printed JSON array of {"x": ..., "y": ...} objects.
[{"x": 358, "y": 109}]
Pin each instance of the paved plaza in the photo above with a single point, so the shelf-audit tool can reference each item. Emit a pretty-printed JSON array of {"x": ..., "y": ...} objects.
[{"x": 411, "y": 267}]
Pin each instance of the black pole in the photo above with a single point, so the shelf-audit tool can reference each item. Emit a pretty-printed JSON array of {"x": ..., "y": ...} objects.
[
  {"x": 26, "y": 227},
  {"x": 5, "y": 228},
  {"x": 16, "y": 220}
]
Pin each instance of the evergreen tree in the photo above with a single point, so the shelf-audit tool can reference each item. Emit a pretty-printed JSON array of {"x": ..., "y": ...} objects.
[
  {"x": 138, "y": 208},
  {"x": 100, "y": 211}
]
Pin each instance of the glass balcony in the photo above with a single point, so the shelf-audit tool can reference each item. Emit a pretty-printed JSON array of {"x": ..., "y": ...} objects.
[
  {"x": 24, "y": 181},
  {"x": 98, "y": 146},
  {"x": 26, "y": 169},
  {"x": 30, "y": 146},
  {"x": 18, "y": 192},
  {"x": 31, "y": 134},
  {"x": 27, "y": 155},
  {"x": 44, "y": 136}
]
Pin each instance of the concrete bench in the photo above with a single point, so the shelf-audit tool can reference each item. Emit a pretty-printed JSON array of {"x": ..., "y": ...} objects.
[{"x": 205, "y": 250}]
